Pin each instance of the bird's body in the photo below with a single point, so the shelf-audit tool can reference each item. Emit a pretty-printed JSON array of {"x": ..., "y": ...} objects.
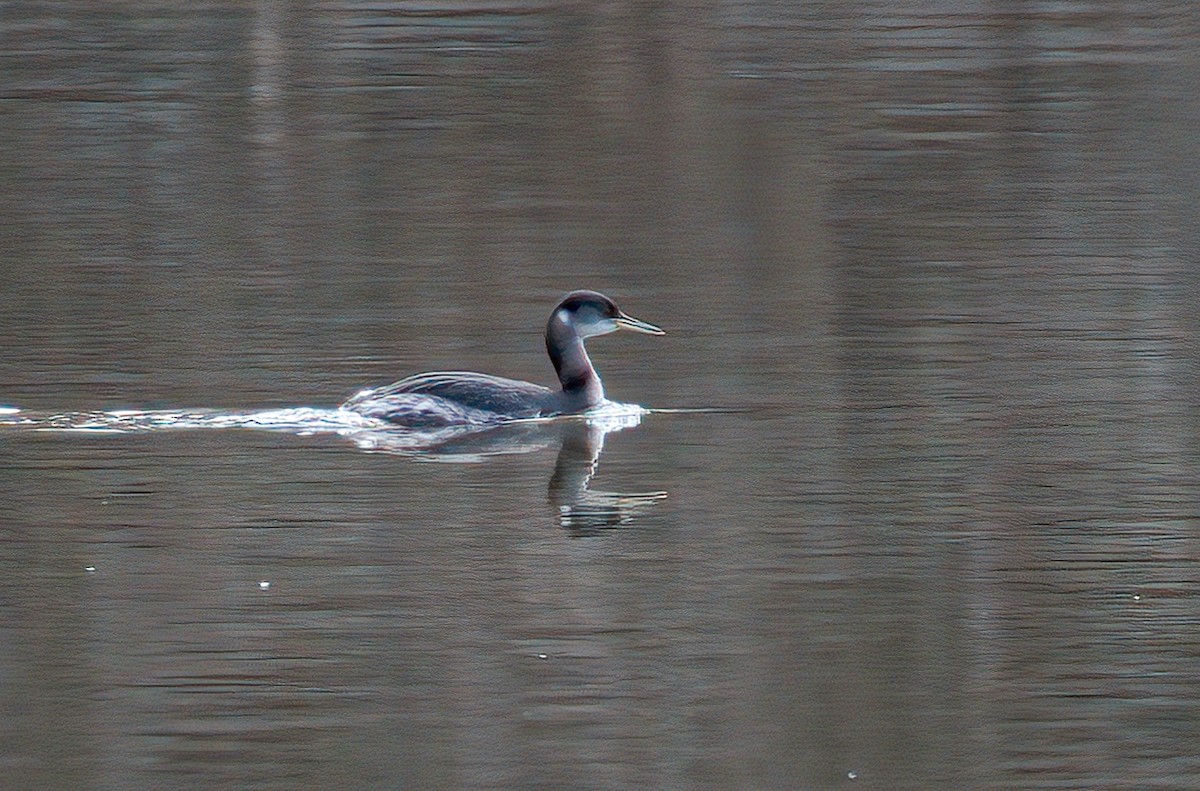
[
  {"x": 452, "y": 397},
  {"x": 447, "y": 398}
]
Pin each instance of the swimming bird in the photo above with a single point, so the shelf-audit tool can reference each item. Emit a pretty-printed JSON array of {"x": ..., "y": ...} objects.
[{"x": 451, "y": 398}]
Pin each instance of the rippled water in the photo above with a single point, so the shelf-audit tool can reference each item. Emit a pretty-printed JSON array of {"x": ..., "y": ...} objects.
[{"x": 928, "y": 274}]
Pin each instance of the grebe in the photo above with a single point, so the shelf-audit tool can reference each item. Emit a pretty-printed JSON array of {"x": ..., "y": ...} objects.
[{"x": 449, "y": 398}]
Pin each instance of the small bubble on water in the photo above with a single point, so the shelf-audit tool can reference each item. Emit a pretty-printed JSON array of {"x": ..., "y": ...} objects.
[{"x": 264, "y": 585}]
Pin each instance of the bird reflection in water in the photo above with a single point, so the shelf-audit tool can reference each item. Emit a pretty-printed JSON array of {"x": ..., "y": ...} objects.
[
  {"x": 581, "y": 510},
  {"x": 580, "y": 441}
]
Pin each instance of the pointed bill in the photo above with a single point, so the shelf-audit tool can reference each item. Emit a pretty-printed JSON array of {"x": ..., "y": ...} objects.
[{"x": 637, "y": 325}]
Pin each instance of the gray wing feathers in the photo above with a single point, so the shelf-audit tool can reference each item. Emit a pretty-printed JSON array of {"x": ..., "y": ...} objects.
[{"x": 471, "y": 390}]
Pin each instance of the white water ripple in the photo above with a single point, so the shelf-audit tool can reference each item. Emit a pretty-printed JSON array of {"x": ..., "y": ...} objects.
[{"x": 367, "y": 433}]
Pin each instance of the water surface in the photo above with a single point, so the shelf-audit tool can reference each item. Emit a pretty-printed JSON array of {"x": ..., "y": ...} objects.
[{"x": 933, "y": 264}]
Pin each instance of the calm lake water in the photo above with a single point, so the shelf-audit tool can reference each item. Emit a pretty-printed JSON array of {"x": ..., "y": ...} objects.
[{"x": 932, "y": 265}]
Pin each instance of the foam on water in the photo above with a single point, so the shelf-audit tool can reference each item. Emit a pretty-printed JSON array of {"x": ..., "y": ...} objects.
[
  {"x": 367, "y": 433},
  {"x": 297, "y": 419}
]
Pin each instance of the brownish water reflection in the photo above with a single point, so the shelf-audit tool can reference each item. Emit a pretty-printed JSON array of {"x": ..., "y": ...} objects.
[{"x": 943, "y": 254}]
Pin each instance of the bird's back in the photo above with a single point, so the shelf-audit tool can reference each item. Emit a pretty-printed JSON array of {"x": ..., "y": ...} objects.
[{"x": 449, "y": 397}]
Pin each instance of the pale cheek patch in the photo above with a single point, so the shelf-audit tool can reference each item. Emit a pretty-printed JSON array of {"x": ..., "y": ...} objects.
[
  {"x": 591, "y": 325},
  {"x": 566, "y": 318}
]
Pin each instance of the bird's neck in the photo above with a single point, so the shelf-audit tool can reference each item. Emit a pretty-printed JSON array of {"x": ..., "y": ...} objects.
[{"x": 575, "y": 372}]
